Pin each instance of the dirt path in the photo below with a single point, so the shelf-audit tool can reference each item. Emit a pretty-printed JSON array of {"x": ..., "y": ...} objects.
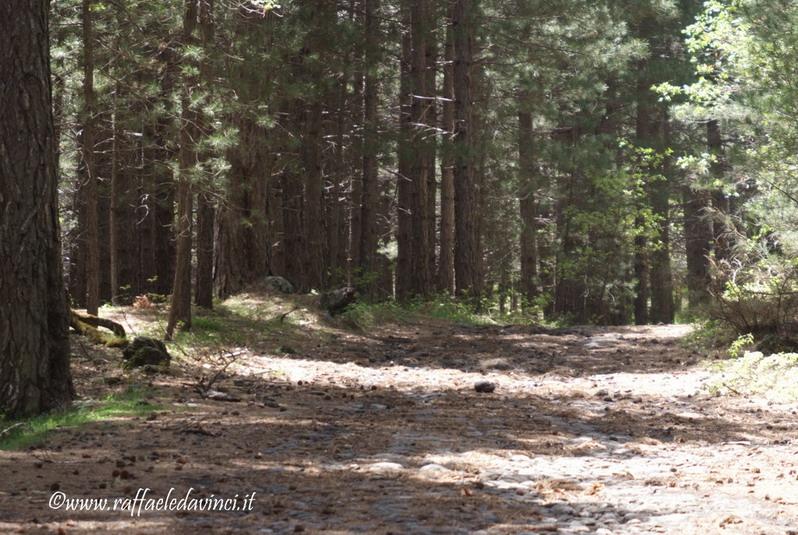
[{"x": 588, "y": 431}]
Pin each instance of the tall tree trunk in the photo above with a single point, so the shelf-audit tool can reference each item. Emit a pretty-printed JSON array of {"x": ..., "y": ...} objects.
[
  {"x": 88, "y": 139},
  {"x": 313, "y": 268},
  {"x": 162, "y": 203},
  {"x": 643, "y": 133},
  {"x": 527, "y": 203},
  {"x": 466, "y": 250},
  {"x": 404, "y": 186},
  {"x": 180, "y": 307},
  {"x": 662, "y": 305},
  {"x": 698, "y": 244},
  {"x": 205, "y": 206},
  {"x": 205, "y": 224},
  {"x": 34, "y": 318},
  {"x": 640, "y": 268},
  {"x": 113, "y": 208},
  {"x": 431, "y": 137},
  {"x": 360, "y": 139},
  {"x": 445, "y": 274},
  {"x": 419, "y": 157},
  {"x": 370, "y": 187}
]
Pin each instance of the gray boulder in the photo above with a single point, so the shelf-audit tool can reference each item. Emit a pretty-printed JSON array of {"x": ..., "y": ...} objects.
[{"x": 279, "y": 284}]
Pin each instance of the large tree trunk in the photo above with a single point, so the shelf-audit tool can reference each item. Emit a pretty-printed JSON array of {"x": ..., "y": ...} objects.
[
  {"x": 445, "y": 274},
  {"x": 205, "y": 223},
  {"x": 404, "y": 187},
  {"x": 313, "y": 268},
  {"x": 527, "y": 203},
  {"x": 113, "y": 208},
  {"x": 162, "y": 204},
  {"x": 431, "y": 125},
  {"x": 34, "y": 318},
  {"x": 90, "y": 187},
  {"x": 370, "y": 187},
  {"x": 180, "y": 307},
  {"x": 466, "y": 250},
  {"x": 662, "y": 305},
  {"x": 698, "y": 244},
  {"x": 206, "y": 211},
  {"x": 241, "y": 256},
  {"x": 312, "y": 109},
  {"x": 419, "y": 152}
]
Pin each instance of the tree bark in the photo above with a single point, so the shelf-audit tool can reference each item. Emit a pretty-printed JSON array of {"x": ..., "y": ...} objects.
[
  {"x": 466, "y": 250},
  {"x": 205, "y": 223},
  {"x": 431, "y": 137},
  {"x": 34, "y": 318},
  {"x": 419, "y": 152},
  {"x": 527, "y": 203},
  {"x": 445, "y": 274},
  {"x": 662, "y": 305},
  {"x": 88, "y": 139},
  {"x": 370, "y": 187},
  {"x": 698, "y": 244},
  {"x": 180, "y": 308},
  {"x": 206, "y": 211},
  {"x": 404, "y": 283}
]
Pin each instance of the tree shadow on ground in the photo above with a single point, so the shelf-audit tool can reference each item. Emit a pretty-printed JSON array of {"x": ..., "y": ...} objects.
[{"x": 315, "y": 452}]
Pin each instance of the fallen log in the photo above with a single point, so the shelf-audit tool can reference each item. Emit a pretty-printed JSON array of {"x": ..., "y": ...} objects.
[
  {"x": 96, "y": 321},
  {"x": 87, "y": 325}
]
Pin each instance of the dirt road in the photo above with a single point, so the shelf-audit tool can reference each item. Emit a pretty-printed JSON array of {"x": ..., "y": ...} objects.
[{"x": 589, "y": 430}]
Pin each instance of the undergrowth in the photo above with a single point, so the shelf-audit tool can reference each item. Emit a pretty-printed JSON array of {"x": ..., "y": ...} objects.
[
  {"x": 23, "y": 433},
  {"x": 775, "y": 377},
  {"x": 364, "y": 315}
]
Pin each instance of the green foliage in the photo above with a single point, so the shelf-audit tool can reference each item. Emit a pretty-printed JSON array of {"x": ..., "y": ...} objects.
[
  {"x": 741, "y": 344},
  {"x": 364, "y": 315},
  {"x": 759, "y": 295},
  {"x": 20, "y": 434}
]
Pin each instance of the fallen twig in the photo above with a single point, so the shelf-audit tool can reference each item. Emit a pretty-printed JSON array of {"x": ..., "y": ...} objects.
[{"x": 7, "y": 430}]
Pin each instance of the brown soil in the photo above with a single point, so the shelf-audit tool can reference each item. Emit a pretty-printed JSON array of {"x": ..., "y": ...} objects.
[{"x": 589, "y": 430}]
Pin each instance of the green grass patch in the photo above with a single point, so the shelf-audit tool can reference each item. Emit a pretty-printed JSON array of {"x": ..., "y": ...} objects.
[
  {"x": 364, "y": 315},
  {"x": 23, "y": 433}
]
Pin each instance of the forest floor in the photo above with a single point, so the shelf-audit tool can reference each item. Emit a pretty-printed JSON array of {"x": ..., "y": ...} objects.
[{"x": 589, "y": 430}]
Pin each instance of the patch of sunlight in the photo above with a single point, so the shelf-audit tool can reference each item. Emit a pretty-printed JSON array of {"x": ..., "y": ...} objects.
[{"x": 775, "y": 377}]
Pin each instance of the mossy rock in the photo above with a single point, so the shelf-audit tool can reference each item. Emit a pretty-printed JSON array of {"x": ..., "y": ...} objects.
[
  {"x": 279, "y": 284},
  {"x": 143, "y": 351}
]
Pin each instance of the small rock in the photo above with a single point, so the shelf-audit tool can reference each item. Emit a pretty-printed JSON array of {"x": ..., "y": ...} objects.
[
  {"x": 216, "y": 395},
  {"x": 385, "y": 467},
  {"x": 484, "y": 387},
  {"x": 432, "y": 467}
]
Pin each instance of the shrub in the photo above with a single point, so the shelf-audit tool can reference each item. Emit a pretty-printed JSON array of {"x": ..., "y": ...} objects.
[{"x": 758, "y": 298}]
